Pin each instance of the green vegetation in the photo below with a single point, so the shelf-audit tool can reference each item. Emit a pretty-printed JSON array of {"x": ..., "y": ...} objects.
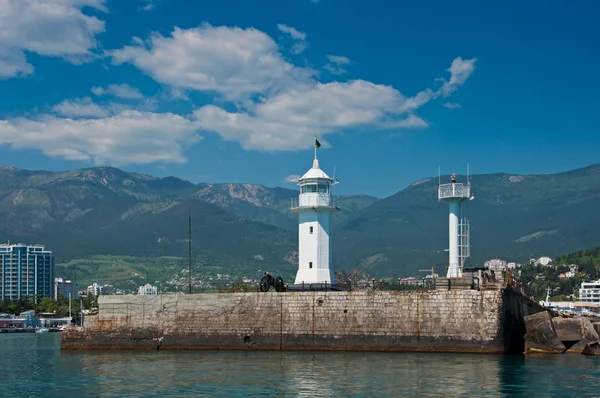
[
  {"x": 123, "y": 272},
  {"x": 60, "y": 306},
  {"x": 540, "y": 278},
  {"x": 588, "y": 260}
]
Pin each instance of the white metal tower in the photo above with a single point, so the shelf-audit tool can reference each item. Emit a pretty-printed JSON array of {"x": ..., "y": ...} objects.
[
  {"x": 458, "y": 224},
  {"x": 314, "y": 206}
]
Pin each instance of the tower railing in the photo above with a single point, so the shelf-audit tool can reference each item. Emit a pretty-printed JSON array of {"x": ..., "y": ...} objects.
[
  {"x": 315, "y": 200},
  {"x": 455, "y": 190}
]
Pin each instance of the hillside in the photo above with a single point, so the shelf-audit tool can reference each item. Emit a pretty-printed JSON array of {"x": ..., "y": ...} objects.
[
  {"x": 513, "y": 217},
  {"x": 239, "y": 229},
  {"x": 242, "y": 229}
]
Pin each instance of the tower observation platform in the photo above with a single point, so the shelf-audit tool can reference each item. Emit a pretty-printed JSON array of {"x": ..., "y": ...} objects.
[{"x": 454, "y": 191}]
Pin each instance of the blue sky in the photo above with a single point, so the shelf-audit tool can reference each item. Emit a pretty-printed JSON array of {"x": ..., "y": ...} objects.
[{"x": 233, "y": 91}]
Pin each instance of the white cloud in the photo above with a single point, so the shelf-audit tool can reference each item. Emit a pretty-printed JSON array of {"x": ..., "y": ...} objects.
[
  {"x": 451, "y": 105},
  {"x": 338, "y": 59},
  {"x": 234, "y": 62},
  {"x": 48, "y": 28},
  {"x": 334, "y": 69},
  {"x": 299, "y": 38},
  {"x": 411, "y": 122},
  {"x": 460, "y": 70},
  {"x": 295, "y": 34},
  {"x": 336, "y": 62},
  {"x": 291, "y": 178},
  {"x": 288, "y": 120},
  {"x": 80, "y": 107},
  {"x": 147, "y": 5},
  {"x": 128, "y": 137},
  {"x": 118, "y": 90}
]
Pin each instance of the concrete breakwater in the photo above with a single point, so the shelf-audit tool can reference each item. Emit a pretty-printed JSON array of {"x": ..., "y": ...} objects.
[{"x": 488, "y": 321}]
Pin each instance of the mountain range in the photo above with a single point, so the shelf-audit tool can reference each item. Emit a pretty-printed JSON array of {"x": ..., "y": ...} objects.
[{"x": 242, "y": 229}]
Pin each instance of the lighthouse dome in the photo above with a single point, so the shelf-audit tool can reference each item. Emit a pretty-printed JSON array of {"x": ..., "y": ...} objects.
[{"x": 315, "y": 173}]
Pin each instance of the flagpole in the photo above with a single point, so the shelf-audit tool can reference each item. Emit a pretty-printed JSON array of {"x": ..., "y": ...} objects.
[{"x": 315, "y": 145}]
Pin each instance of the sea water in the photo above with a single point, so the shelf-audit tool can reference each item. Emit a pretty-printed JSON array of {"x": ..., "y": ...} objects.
[{"x": 32, "y": 365}]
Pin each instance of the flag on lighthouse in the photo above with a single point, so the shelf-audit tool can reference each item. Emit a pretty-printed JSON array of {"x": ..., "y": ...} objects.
[{"x": 317, "y": 143}]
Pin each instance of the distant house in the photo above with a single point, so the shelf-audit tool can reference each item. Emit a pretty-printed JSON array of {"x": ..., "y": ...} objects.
[
  {"x": 574, "y": 268},
  {"x": 409, "y": 281},
  {"x": 567, "y": 275},
  {"x": 497, "y": 265},
  {"x": 543, "y": 261},
  {"x": 147, "y": 290}
]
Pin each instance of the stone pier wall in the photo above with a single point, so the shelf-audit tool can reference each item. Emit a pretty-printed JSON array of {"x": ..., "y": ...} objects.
[{"x": 440, "y": 321}]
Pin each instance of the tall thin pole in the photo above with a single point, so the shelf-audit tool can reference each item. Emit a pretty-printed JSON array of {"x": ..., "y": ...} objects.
[{"x": 190, "y": 251}]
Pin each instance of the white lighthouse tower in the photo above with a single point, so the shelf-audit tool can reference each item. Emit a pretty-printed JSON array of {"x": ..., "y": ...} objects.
[
  {"x": 314, "y": 206},
  {"x": 454, "y": 195}
]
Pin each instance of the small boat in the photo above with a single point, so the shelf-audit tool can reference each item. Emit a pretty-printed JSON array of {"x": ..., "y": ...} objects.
[{"x": 42, "y": 330}]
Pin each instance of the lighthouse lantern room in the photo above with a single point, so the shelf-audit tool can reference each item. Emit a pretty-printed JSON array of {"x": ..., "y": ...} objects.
[{"x": 314, "y": 206}]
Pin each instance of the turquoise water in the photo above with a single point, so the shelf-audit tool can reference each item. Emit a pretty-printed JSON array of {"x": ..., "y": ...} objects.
[{"x": 31, "y": 365}]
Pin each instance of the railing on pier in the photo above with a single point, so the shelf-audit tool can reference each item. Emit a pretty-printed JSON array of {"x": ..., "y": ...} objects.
[
  {"x": 455, "y": 190},
  {"x": 514, "y": 281}
]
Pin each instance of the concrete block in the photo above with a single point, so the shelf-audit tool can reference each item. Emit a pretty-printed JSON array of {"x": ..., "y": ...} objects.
[
  {"x": 596, "y": 327},
  {"x": 574, "y": 329},
  {"x": 532, "y": 321},
  {"x": 592, "y": 348},
  {"x": 543, "y": 340},
  {"x": 578, "y": 347}
]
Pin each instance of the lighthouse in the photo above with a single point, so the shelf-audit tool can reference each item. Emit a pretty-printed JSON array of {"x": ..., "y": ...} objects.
[
  {"x": 454, "y": 194},
  {"x": 314, "y": 206}
]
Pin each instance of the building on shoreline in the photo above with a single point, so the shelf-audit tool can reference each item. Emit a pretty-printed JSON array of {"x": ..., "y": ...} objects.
[
  {"x": 26, "y": 271},
  {"x": 65, "y": 288},
  {"x": 590, "y": 292}
]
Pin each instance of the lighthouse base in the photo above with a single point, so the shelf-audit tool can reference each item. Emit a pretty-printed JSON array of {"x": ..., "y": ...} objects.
[{"x": 320, "y": 287}]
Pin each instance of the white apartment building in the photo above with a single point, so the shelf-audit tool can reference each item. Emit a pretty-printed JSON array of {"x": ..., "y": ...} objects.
[
  {"x": 95, "y": 289},
  {"x": 147, "y": 290},
  {"x": 496, "y": 265},
  {"x": 590, "y": 292}
]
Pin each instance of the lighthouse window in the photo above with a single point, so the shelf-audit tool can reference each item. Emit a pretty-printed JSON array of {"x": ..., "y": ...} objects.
[
  {"x": 310, "y": 265},
  {"x": 309, "y": 188},
  {"x": 323, "y": 188},
  {"x": 311, "y": 230}
]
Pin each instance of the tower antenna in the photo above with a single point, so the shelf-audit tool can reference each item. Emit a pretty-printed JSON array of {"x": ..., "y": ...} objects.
[
  {"x": 334, "y": 172},
  {"x": 190, "y": 251},
  {"x": 468, "y": 178},
  {"x": 439, "y": 175}
]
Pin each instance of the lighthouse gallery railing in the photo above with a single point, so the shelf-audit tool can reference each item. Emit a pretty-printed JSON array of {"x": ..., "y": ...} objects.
[
  {"x": 315, "y": 200},
  {"x": 455, "y": 190}
]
